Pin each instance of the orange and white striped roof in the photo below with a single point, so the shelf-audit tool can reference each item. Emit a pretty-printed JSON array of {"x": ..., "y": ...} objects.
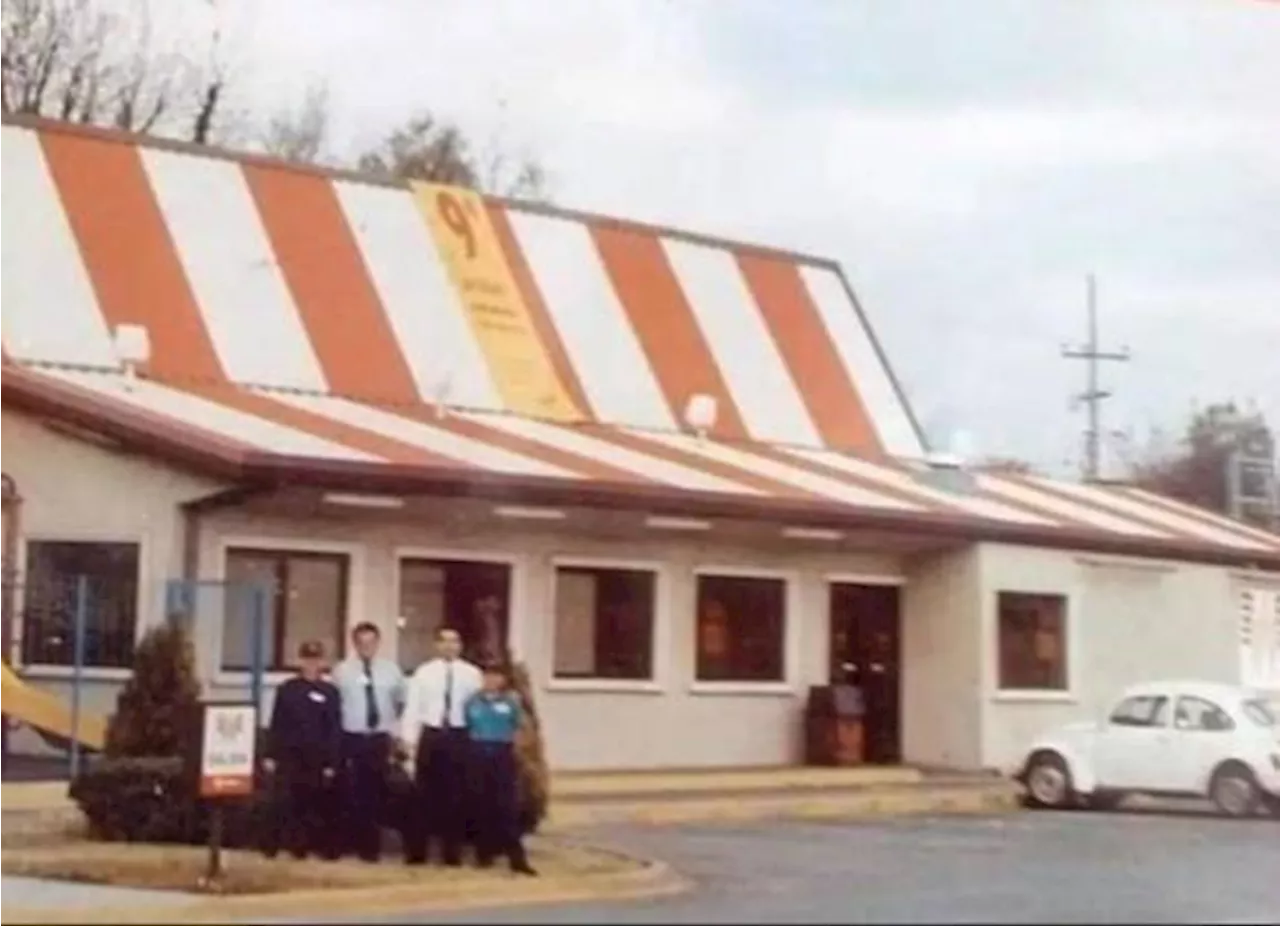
[
  {"x": 264, "y": 273},
  {"x": 299, "y": 316}
]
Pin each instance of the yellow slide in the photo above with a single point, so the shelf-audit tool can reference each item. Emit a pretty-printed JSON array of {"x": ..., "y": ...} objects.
[{"x": 48, "y": 713}]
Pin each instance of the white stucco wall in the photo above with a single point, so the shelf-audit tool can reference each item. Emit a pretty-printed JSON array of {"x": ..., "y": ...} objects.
[
  {"x": 76, "y": 490},
  {"x": 673, "y": 724},
  {"x": 1129, "y": 621},
  {"x": 942, "y": 661}
]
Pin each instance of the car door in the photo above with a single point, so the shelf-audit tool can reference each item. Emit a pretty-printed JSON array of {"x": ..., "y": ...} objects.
[
  {"x": 1133, "y": 743},
  {"x": 1202, "y": 737}
]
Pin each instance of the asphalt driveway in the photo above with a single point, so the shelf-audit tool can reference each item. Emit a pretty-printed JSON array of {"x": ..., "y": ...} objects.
[{"x": 1029, "y": 867}]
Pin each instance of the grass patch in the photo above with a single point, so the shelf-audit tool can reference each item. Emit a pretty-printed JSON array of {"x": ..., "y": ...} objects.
[{"x": 181, "y": 868}]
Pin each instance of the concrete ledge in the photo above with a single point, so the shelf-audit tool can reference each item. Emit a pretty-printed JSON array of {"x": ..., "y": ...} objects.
[
  {"x": 988, "y": 797},
  {"x": 23, "y": 796},
  {"x": 649, "y": 879}
]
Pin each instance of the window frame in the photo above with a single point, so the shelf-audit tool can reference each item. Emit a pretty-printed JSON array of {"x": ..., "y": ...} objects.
[
  {"x": 1202, "y": 699},
  {"x": 1070, "y": 639},
  {"x": 516, "y": 563},
  {"x": 143, "y": 618},
  {"x": 352, "y": 598},
  {"x": 1163, "y": 704},
  {"x": 791, "y": 633},
  {"x": 660, "y": 636}
]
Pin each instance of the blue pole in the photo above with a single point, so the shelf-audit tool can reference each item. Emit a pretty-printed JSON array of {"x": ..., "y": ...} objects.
[
  {"x": 257, "y": 657},
  {"x": 77, "y": 668}
]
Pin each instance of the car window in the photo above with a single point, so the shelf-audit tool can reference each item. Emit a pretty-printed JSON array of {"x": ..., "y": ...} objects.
[
  {"x": 1260, "y": 713},
  {"x": 1198, "y": 714},
  {"x": 1141, "y": 711}
]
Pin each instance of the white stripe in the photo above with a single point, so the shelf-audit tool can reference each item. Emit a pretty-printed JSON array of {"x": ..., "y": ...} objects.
[
  {"x": 602, "y": 346},
  {"x": 863, "y": 364},
  {"x": 1236, "y": 527},
  {"x": 421, "y": 302},
  {"x": 740, "y": 341},
  {"x": 1071, "y": 512},
  {"x": 467, "y": 451},
  {"x": 246, "y": 306},
  {"x": 897, "y": 479},
  {"x": 1118, "y": 503},
  {"x": 50, "y": 310},
  {"x": 199, "y": 412},
  {"x": 605, "y": 451},
  {"x": 779, "y": 472}
]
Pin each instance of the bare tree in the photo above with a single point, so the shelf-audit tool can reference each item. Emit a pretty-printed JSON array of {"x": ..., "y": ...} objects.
[
  {"x": 425, "y": 148},
  {"x": 300, "y": 135},
  {"x": 71, "y": 60}
]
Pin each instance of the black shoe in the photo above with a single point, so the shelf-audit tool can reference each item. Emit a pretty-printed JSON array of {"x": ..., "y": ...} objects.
[
  {"x": 453, "y": 862},
  {"x": 372, "y": 857},
  {"x": 524, "y": 868},
  {"x": 484, "y": 862}
]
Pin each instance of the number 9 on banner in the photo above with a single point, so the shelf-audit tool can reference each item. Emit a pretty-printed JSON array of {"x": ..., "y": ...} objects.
[{"x": 455, "y": 218}]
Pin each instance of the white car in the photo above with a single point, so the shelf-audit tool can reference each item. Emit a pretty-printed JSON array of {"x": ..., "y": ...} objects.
[{"x": 1174, "y": 738}]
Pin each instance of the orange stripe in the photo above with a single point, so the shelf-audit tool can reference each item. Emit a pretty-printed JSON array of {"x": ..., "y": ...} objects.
[
  {"x": 829, "y": 394},
  {"x": 522, "y": 275},
  {"x": 1104, "y": 509},
  {"x": 323, "y": 267},
  {"x": 137, "y": 275},
  {"x": 353, "y": 340},
  {"x": 1207, "y": 518},
  {"x": 664, "y": 324},
  {"x": 850, "y": 479},
  {"x": 727, "y": 471}
]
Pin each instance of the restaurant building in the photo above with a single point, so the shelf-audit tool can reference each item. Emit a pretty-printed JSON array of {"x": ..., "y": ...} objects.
[{"x": 677, "y": 472}]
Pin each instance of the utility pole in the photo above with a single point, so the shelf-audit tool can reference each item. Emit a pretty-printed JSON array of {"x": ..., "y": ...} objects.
[{"x": 1092, "y": 397}]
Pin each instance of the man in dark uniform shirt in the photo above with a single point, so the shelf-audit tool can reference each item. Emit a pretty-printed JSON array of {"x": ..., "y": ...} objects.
[{"x": 302, "y": 756}]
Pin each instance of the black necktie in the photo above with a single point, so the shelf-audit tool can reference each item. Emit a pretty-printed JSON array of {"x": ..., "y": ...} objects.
[
  {"x": 447, "y": 720},
  {"x": 370, "y": 698}
]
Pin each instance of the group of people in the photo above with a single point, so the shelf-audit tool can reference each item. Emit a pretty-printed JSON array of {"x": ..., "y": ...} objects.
[{"x": 332, "y": 745}]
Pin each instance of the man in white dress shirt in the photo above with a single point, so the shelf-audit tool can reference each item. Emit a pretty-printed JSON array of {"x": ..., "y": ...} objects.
[
  {"x": 434, "y": 731},
  {"x": 372, "y": 689}
]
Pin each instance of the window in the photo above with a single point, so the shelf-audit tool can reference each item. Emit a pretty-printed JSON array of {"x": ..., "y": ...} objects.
[
  {"x": 1260, "y": 712},
  {"x": 1142, "y": 711},
  {"x": 50, "y": 602},
  {"x": 741, "y": 625},
  {"x": 1199, "y": 714},
  {"x": 472, "y": 596},
  {"x": 604, "y": 623},
  {"x": 305, "y": 599},
  {"x": 1033, "y": 641}
]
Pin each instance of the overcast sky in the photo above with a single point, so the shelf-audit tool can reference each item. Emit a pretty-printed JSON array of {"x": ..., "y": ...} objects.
[{"x": 968, "y": 161}]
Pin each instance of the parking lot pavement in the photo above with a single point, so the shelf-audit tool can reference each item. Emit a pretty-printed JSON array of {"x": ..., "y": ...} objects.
[{"x": 1029, "y": 867}]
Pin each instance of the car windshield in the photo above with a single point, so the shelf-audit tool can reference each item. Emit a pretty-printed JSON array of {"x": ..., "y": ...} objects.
[{"x": 1260, "y": 713}]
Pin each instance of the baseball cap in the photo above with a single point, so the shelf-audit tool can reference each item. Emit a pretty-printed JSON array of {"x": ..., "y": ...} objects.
[{"x": 311, "y": 649}]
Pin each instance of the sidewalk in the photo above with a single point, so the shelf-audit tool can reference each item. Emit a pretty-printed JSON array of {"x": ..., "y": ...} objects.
[{"x": 41, "y": 894}]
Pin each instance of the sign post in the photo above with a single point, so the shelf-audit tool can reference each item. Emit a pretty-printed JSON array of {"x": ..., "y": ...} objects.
[{"x": 228, "y": 743}]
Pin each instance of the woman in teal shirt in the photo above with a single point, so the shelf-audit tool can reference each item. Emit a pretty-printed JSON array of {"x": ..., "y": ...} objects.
[{"x": 494, "y": 716}]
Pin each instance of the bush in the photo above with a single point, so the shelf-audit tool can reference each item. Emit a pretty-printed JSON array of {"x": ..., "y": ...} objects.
[
  {"x": 534, "y": 777},
  {"x": 142, "y": 789},
  {"x": 155, "y": 800},
  {"x": 158, "y": 710}
]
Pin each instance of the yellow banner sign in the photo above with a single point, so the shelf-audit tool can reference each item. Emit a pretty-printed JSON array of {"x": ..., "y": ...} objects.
[{"x": 519, "y": 362}]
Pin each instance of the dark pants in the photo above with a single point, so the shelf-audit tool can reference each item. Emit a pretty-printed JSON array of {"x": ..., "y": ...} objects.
[
  {"x": 365, "y": 758},
  {"x": 441, "y": 810},
  {"x": 302, "y": 813},
  {"x": 495, "y": 804}
]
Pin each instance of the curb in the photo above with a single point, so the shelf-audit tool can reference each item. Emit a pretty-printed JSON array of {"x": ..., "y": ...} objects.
[
  {"x": 651, "y": 879},
  {"x": 990, "y": 798}
]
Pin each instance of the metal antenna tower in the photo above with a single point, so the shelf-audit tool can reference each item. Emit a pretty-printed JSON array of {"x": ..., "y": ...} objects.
[{"x": 1093, "y": 394}]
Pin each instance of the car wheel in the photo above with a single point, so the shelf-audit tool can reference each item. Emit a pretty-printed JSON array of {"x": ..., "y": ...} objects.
[
  {"x": 1049, "y": 782},
  {"x": 1234, "y": 791}
]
